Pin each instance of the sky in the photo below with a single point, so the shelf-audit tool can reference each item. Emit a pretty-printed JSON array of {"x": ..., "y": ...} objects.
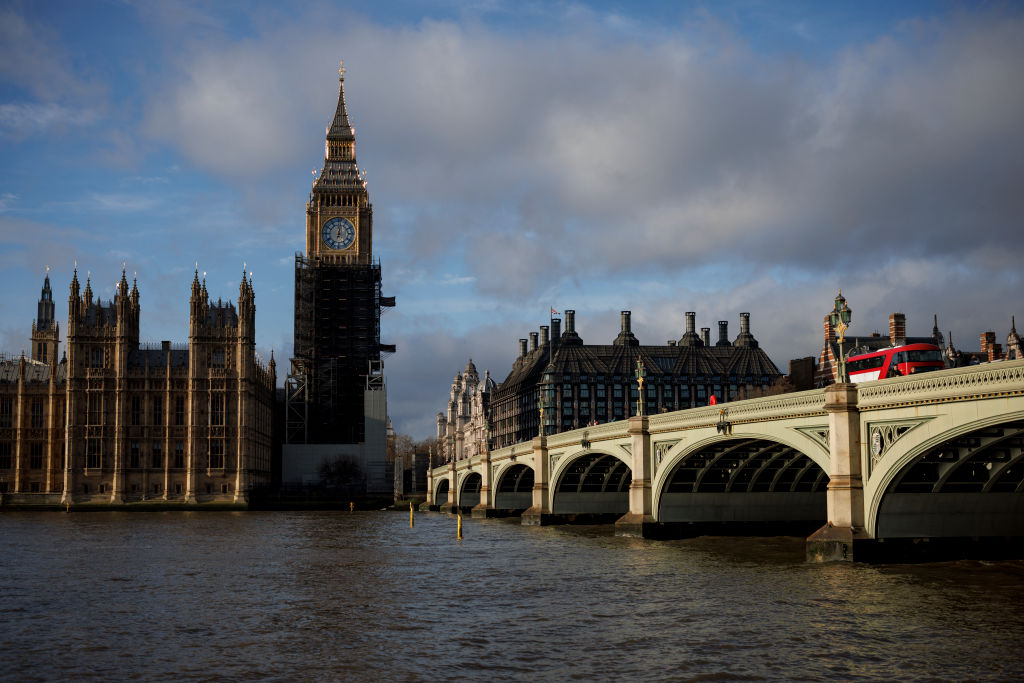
[{"x": 717, "y": 157}]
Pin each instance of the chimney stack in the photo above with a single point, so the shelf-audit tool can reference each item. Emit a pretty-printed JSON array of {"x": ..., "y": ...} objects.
[
  {"x": 705, "y": 335},
  {"x": 570, "y": 320},
  {"x": 556, "y": 329},
  {"x": 544, "y": 335},
  {"x": 533, "y": 341},
  {"x": 690, "y": 337},
  {"x": 625, "y": 337},
  {"x": 745, "y": 339},
  {"x": 522, "y": 348},
  {"x": 723, "y": 333},
  {"x": 989, "y": 346},
  {"x": 897, "y": 329}
]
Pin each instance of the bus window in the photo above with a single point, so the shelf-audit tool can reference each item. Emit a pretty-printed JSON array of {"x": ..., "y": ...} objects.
[{"x": 862, "y": 364}]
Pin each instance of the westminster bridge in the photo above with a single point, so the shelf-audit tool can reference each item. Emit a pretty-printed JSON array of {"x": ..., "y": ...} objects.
[{"x": 937, "y": 457}]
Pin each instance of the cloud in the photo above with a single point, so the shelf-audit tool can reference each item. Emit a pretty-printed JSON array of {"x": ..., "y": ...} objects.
[
  {"x": 570, "y": 152},
  {"x": 569, "y": 157},
  {"x": 29, "y": 118}
]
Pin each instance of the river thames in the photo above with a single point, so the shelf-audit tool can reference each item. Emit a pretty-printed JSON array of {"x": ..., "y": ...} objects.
[{"x": 361, "y": 596}]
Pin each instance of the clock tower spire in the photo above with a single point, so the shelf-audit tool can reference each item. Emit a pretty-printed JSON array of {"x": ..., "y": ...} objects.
[{"x": 339, "y": 216}]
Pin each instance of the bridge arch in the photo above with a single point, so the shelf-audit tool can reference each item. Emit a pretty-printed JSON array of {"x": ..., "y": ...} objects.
[
  {"x": 591, "y": 482},
  {"x": 469, "y": 490},
  {"x": 514, "y": 490},
  {"x": 967, "y": 481},
  {"x": 441, "y": 491},
  {"x": 743, "y": 478}
]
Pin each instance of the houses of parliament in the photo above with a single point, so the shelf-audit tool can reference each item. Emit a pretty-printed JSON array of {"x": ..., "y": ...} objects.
[
  {"x": 114, "y": 421},
  {"x": 111, "y": 420}
]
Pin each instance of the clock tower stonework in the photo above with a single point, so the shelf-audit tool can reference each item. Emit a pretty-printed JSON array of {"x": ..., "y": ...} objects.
[
  {"x": 335, "y": 387},
  {"x": 339, "y": 216}
]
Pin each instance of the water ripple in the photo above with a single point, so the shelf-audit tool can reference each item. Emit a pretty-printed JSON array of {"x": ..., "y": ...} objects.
[{"x": 361, "y": 596}]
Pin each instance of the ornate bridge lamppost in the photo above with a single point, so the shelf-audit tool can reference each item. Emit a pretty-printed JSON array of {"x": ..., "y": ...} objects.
[
  {"x": 840, "y": 318},
  {"x": 641, "y": 374}
]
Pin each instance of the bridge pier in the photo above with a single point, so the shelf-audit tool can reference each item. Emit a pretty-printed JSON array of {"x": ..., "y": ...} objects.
[
  {"x": 845, "y": 497},
  {"x": 485, "y": 508},
  {"x": 639, "y": 521},
  {"x": 428, "y": 504},
  {"x": 539, "y": 514}
]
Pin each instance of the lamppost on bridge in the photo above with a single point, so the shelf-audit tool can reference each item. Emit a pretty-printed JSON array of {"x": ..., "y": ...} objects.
[
  {"x": 641, "y": 374},
  {"x": 840, "y": 318},
  {"x": 546, "y": 401}
]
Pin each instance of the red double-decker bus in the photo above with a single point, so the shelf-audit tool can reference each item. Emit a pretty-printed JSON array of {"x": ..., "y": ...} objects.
[{"x": 896, "y": 361}]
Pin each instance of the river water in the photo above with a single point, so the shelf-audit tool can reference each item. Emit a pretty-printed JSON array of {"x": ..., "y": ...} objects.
[{"x": 285, "y": 596}]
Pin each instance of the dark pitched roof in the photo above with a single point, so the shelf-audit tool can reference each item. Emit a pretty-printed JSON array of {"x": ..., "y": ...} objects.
[{"x": 659, "y": 361}]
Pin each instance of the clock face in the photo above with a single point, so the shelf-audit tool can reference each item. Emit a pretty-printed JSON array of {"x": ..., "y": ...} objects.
[{"x": 338, "y": 233}]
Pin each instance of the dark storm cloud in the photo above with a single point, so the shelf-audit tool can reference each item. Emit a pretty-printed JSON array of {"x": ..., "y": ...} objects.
[{"x": 695, "y": 151}]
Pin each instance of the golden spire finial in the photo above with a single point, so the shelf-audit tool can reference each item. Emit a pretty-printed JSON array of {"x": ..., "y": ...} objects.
[{"x": 341, "y": 68}]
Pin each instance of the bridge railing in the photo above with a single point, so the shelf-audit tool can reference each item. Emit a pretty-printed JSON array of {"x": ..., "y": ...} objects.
[
  {"x": 797, "y": 404},
  {"x": 601, "y": 432},
  {"x": 1000, "y": 378}
]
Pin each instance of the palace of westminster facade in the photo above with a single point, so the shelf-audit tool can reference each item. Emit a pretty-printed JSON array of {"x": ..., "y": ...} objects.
[{"x": 114, "y": 421}]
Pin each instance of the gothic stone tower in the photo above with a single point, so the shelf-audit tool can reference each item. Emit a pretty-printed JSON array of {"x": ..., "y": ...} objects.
[
  {"x": 337, "y": 300},
  {"x": 45, "y": 329}
]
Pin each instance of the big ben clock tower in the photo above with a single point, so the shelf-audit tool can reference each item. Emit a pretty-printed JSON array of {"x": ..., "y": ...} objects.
[
  {"x": 335, "y": 389},
  {"x": 339, "y": 216}
]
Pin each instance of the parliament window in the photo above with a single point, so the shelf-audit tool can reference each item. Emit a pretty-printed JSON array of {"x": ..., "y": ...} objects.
[
  {"x": 158, "y": 456},
  {"x": 93, "y": 456},
  {"x": 218, "y": 358},
  {"x": 133, "y": 456},
  {"x": 136, "y": 411},
  {"x": 179, "y": 410},
  {"x": 179, "y": 454},
  {"x": 96, "y": 358},
  {"x": 6, "y": 411},
  {"x": 5, "y": 455},
  {"x": 95, "y": 415},
  {"x": 37, "y": 413},
  {"x": 35, "y": 458},
  {"x": 158, "y": 410},
  {"x": 217, "y": 454},
  {"x": 217, "y": 409}
]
